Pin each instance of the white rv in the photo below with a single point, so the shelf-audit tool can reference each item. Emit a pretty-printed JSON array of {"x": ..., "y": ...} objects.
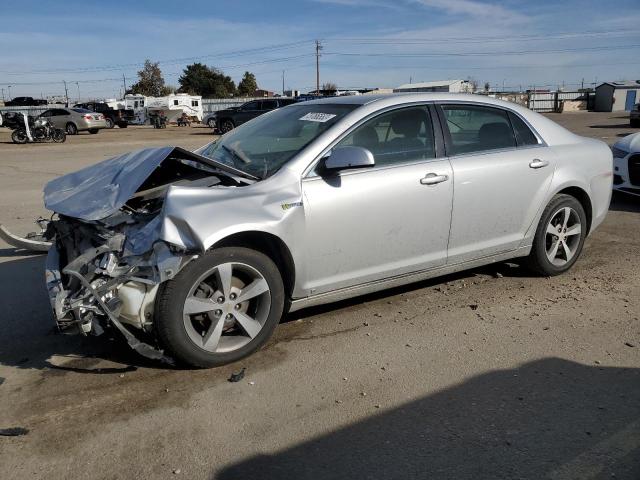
[
  {"x": 175, "y": 105},
  {"x": 137, "y": 104}
]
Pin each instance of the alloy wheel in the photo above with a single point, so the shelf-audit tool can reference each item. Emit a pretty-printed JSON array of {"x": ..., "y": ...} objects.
[
  {"x": 563, "y": 235},
  {"x": 226, "y": 307}
]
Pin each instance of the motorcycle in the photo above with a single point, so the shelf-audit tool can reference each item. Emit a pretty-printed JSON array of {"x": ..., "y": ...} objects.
[{"x": 38, "y": 130}]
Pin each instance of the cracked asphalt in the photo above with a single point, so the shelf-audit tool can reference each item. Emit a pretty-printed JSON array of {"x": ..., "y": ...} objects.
[{"x": 490, "y": 373}]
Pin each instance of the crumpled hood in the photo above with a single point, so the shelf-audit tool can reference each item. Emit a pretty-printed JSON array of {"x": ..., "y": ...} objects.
[
  {"x": 99, "y": 190},
  {"x": 630, "y": 143}
]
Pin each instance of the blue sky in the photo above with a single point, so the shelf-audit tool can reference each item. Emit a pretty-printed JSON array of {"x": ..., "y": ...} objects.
[{"x": 367, "y": 43}]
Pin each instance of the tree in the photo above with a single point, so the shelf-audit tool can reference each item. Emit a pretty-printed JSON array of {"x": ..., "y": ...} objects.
[
  {"x": 167, "y": 90},
  {"x": 150, "y": 81},
  {"x": 199, "y": 79},
  {"x": 487, "y": 87},
  {"x": 330, "y": 86},
  {"x": 248, "y": 85}
]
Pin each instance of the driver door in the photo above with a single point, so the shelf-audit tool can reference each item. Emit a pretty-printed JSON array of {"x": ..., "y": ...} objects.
[{"x": 369, "y": 224}]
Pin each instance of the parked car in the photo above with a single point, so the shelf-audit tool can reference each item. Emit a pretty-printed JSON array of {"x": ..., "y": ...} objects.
[
  {"x": 230, "y": 118},
  {"x": 626, "y": 164},
  {"x": 74, "y": 120},
  {"x": 309, "y": 204},
  {"x": 634, "y": 116},
  {"x": 120, "y": 117},
  {"x": 25, "y": 102}
]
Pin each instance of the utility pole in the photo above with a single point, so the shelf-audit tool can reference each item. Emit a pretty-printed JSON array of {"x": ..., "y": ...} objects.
[
  {"x": 2, "y": 95},
  {"x": 318, "y": 48},
  {"x": 283, "y": 83},
  {"x": 66, "y": 93},
  {"x": 9, "y": 86},
  {"x": 78, "y": 85},
  {"x": 582, "y": 84},
  {"x": 124, "y": 84}
]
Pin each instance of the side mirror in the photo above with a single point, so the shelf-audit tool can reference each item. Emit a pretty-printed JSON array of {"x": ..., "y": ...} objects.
[{"x": 344, "y": 158}]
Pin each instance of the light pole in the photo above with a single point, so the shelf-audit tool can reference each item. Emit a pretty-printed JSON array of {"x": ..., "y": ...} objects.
[
  {"x": 78, "y": 85},
  {"x": 9, "y": 86}
]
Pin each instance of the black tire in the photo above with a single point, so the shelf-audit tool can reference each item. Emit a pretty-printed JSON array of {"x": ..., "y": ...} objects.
[
  {"x": 634, "y": 123},
  {"x": 227, "y": 125},
  {"x": 211, "y": 123},
  {"x": 538, "y": 260},
  {"x": 19, "y": 137},
  {"x": 59, "y": 136},
  {"x": 109, "y": 123},
  {"x": 123, "y": 124},
  {"x": 93, "y": 131},
  {"x": 169, "y": 323},
  {"x": 71, "y": 129}
]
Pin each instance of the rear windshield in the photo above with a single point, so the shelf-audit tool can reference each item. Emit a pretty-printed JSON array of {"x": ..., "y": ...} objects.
[{"x": 81, "y": 110}]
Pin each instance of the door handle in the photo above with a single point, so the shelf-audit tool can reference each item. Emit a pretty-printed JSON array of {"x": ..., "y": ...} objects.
[
  {"x": 537, "y": 163},
  {"x": 433, "y": 179}
]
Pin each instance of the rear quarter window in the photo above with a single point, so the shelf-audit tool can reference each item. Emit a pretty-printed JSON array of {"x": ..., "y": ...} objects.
[{"x": 524, "y": 136}]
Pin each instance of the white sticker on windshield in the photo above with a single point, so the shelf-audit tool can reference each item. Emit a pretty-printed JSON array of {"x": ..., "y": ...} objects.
[{"x": 317, "y": 117}]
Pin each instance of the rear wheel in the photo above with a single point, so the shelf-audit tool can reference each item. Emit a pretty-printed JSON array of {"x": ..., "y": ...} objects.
[
  {"x": 559, "y": 237},
  {"x": 220, "y": 307},
  {"x": 109, "y": 122},
  {"x": 211, "y": 122},
  {"x": 226, "y": 125},
  {"x": 71, "y": 129},
  {"x": 19, "y": 136},
  {"x": 93, "y": 131}
]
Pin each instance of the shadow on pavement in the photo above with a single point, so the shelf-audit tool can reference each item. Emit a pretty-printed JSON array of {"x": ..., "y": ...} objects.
[
  {"x": 622, "y": 202},
  {"x": 549, "y": 419}
]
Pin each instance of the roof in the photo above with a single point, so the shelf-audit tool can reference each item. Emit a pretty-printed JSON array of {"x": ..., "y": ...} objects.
[
  {"x": 404, "y": 97},
  {"x": 622, "y": 84},
  {"x": 442, "y": 83}
]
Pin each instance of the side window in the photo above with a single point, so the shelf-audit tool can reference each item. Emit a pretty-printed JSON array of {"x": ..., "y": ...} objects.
[
  {"x": 194, "y": 103},
  {"x": 175, "y": 102},
  {"x": 477, "y": 128},
  {"x": 251, "y": 106},
  {"x": 524, "y": 135},
  {"x": 399, "y": 136},
  {"x": 46, "y": 113},
  {"x": 269, "y": 104}
]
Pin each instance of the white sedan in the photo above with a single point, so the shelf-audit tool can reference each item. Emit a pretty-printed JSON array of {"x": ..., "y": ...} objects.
[{"x": 626, "y": 164}]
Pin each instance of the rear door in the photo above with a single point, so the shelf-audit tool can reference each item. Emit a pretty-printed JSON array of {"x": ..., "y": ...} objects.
[
  {"x": 247, "y": 112},
  {"x": 501, "y": 174}
]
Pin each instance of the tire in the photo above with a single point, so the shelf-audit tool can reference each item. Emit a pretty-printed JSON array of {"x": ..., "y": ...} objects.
[
  {"x": 123, "y": 125},
  {"x": 19, "y": 137},
  {"x": 226, "y": 125},
  {"x": 71, "y": 129},
  {"x": 211, "y": 123},
  {"x": 59, "y": 136},
  {"x": 109, "y": 123},
  {"x": 94, "y": 131},
  {"x": 634, "y": 123},
  {"x": 542, "y": 258},
  {"x": 183, "y": 335}
]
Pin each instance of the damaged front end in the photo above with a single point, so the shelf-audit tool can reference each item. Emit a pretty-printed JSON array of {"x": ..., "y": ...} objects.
[{"x": 107, "y": 258}]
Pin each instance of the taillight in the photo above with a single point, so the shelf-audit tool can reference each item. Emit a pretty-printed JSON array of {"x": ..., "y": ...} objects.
[{"x": 87, "y": 116}]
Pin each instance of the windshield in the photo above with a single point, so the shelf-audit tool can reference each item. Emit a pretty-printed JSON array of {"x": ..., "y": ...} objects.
[
  {"x": 262, "y": 146},
  {"x": 81, "y": 110}
]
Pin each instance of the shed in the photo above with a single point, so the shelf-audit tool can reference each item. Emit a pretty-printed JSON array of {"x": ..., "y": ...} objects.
[
  {"x": 452, "y": 86},
  {"x": 617, "y": 96}
]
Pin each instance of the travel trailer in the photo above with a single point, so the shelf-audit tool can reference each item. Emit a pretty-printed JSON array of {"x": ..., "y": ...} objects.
[{"x": 175, "y": 105}]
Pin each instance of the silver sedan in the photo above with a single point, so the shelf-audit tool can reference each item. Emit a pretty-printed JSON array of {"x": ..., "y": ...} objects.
[{"x": 313, "y": 203}]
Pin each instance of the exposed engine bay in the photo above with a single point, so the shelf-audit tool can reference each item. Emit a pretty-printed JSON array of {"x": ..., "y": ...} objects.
[{"x": 107, "y": 259}]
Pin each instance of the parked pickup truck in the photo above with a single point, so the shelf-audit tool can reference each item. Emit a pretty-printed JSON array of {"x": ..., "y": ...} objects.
[
  {"x": 112, "y": 116},
  {"x": 25, "y": 102}
]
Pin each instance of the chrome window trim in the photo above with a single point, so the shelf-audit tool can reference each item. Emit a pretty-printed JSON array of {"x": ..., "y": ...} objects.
[{"x": 308, "y": 171}]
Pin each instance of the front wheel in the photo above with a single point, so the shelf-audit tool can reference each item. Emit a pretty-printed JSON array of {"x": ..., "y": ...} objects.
[
  {"x": 109, "y": 123},
  {"x": 19, "y": 136},
  {"x": 220, "y": 308},
  {"x": 559, "y": 237},
  {"x": 71, "y": 129},
  {"x": 211, "y": 122},
  {"x": 59, "y": 136}
]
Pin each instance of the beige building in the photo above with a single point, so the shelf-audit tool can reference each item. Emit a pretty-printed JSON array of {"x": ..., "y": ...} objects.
[{"x": 617, "y": 96}]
